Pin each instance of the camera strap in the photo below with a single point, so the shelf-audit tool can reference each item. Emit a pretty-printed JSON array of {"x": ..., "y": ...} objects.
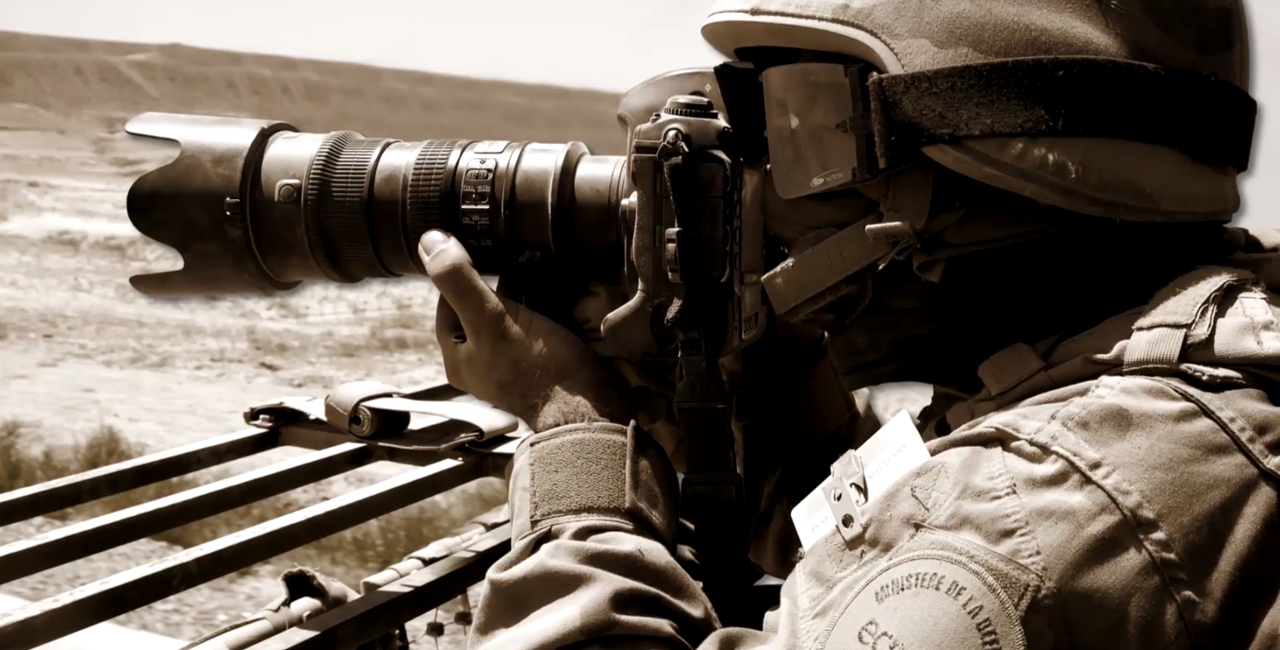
[{"x": 711, "y": 491}]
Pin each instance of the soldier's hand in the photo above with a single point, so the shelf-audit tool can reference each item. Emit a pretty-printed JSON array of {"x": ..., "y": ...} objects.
[{"x": 506, "y": 354}]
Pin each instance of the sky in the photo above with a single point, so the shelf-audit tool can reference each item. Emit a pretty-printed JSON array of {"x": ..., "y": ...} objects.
[{"x": 605, "y": 44}]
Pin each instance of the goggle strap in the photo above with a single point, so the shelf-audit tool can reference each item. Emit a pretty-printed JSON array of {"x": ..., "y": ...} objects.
[
  {"x": 1198, "y": 114},
  {"x": 861, "y": 124}
]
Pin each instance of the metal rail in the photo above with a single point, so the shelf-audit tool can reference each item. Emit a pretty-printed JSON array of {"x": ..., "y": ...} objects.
[
  {"x": 70, "y": 543},
  {"x": 364, "y": 619},
  {"x": 333, "y": 452},
  {"x": 52, "y": 496}
]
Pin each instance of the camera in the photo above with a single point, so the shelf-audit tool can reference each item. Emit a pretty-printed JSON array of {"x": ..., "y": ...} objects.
[{"x": 257, "y": 206}]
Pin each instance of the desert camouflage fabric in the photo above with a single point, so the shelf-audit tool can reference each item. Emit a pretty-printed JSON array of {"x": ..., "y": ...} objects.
[
  {"x": 1207, "y": 35},
  {"x": 1107, "y": 178},
  {"x": 1115, "y": 490}
]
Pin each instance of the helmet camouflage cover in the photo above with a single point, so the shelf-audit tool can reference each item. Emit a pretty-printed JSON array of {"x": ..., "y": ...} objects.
[{"x": 1110, "y": 178}]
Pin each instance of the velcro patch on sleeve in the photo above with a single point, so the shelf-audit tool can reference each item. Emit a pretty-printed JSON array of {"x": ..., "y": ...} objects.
[
  {"x": 594, "y": 471},
  {"x": 928, "y": 599}
]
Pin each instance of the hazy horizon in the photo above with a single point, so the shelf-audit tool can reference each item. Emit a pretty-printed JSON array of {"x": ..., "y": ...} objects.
[{"x": 575, "y": 43}]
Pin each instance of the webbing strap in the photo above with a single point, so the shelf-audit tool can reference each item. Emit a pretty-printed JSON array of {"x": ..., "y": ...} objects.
[
  {"x": 799, "y": 285},
  {"x": 370, "y": 409},
  {"x": 1181, "y": 325},
  {"x": 594, "y": 471},
  {"x": 1009, "y": 367},
  {"x": 1180, "y": 316},
  {"x": 1208, "y": 119},
  {"x": 490, "y": 421},
  {"x": 1155, "y": 347}
]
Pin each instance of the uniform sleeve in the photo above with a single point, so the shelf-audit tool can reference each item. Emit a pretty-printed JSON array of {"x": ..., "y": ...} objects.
[
  {"x": 590, "y": 584},
  {"x": 592, "y": 564}
]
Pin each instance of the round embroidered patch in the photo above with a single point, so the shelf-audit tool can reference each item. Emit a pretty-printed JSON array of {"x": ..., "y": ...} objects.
[{"x": 926, "y": 600}]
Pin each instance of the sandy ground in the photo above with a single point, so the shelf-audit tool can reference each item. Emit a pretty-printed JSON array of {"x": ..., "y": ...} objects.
[{"x": 80, "y": 348}]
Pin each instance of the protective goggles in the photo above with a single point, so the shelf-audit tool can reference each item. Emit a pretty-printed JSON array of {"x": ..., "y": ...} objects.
[{"x": 828, "y": 126}]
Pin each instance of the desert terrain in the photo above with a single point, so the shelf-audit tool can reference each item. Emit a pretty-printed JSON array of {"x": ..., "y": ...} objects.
[
  {"x": 81, "y": 351},
  {"x": 81, "y": 347}
]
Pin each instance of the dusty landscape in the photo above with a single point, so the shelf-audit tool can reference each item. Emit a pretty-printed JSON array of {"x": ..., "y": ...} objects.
[
  {"x": 82, "y": 352},
  {"x": 74, "y": 326}
]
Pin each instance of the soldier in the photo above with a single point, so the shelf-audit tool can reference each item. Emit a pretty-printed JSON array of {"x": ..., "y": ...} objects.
[{"x": 1102, "y": 462}]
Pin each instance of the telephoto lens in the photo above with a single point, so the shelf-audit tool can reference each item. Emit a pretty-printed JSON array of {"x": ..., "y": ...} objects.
[{"x": 255, "y": 206}]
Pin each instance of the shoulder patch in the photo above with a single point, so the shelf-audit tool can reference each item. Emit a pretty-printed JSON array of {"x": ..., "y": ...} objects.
[{"x": 928, "y": 599}]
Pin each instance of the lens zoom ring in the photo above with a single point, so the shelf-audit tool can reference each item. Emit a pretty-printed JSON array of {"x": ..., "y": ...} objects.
[
  {"x": 337, "y": 202},
  {"x": 428, "y": 184}
]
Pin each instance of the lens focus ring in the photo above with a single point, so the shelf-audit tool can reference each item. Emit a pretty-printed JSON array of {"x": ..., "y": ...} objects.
[
  {"x": 429, "y": 189},
  {"x": 336, "y": 207}
]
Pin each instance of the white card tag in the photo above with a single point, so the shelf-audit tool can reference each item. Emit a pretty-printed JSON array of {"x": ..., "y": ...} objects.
[
  {"x": 812, "y": 517},
  {"x": 894, "y": 450}
]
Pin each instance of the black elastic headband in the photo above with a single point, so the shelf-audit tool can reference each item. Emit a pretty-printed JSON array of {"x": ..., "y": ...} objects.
[{"x": 1206, "y": 118}]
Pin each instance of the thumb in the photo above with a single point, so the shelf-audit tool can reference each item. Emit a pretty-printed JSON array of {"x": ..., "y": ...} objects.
[{"x": 449, "y": 265}]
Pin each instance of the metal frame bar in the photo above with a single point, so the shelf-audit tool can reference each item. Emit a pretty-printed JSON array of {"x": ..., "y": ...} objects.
[
  {"x": 75, "y": 610},
  {"x": 334, "y": 452},
  {"x": 52, "y": 496},
  {"x": 366, "y": 618},
  {"x": 75, "y": 541}
]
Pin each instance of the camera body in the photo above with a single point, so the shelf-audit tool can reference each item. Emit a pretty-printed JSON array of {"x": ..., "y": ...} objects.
[{"x": 692, "y": 227}]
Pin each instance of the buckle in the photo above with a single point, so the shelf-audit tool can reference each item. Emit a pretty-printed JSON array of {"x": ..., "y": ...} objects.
[{"x": 848, "y": 495}]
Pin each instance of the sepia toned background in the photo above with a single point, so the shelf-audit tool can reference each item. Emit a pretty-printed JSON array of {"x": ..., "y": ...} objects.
[
  {"x": 92, "y": 372},
  {"x": 579, "y": 43}
]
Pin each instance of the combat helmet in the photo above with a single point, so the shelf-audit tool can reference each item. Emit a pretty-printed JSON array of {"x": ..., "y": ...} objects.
[{"x": 959, "y": 45}]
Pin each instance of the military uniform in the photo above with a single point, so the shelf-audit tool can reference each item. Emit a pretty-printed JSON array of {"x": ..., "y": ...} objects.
[{"x": 1116, "y": 490}]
